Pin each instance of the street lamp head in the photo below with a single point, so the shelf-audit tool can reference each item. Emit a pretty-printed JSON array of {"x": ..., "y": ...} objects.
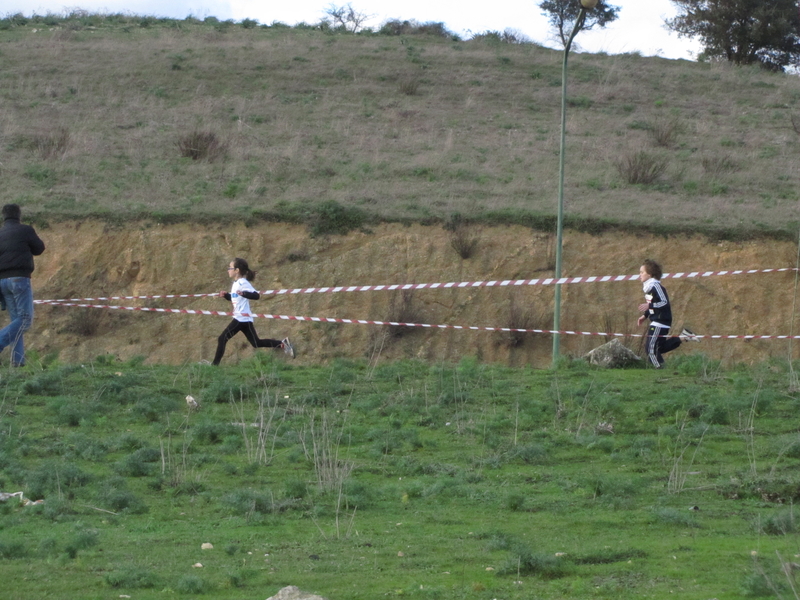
[{"x": 588, "y": 4}]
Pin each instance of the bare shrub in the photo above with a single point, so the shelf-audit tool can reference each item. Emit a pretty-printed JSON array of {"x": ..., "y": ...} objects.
[
  {"x": 296, "y": 255},
  {"x": 260, "y": 425},
  {"x": 716, "y": 165},
  {"x": 402, "y": 309},
  {"x": 53, "y": 144},
  {"x": 346, "y": 17},
  {"x": 464, "y": 239},
  {"x": 611, "y": 325},
  {"x": 322, "y": 446},
  {"x": 199, "y": 145},
  {"x": 665, "y": 131},
  {"x": 520, "y": 316},
  {"x": 408, "y": 85},
  {"x": 641, "y": 166}
]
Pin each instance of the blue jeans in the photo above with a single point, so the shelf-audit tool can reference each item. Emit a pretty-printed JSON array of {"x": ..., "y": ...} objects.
[{"x": 19, "y": 300}]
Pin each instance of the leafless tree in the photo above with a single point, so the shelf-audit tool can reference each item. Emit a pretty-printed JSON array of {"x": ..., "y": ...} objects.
[{"x": 346, "y": 17}]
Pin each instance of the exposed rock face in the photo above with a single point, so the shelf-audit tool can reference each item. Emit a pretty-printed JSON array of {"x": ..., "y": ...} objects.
[
  {"x": 292, "y": 592},
  {"x": 612, "y": 355},
  {"x": 91, "y": 259}
]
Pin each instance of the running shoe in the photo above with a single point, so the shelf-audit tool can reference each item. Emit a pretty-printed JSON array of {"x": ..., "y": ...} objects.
[
  {"x": 287, "y": 347},
  {"x": 688, "y": 336}
]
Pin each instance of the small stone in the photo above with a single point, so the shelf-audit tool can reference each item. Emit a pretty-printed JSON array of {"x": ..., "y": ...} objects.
[{"x": 207, "y": 546}]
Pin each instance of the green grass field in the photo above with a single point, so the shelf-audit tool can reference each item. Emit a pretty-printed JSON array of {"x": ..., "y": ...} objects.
[{"x": 401, "y": 479}]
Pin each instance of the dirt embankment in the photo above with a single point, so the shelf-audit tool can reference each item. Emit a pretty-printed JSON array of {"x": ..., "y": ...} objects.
[{"x": 92, "y": 260}]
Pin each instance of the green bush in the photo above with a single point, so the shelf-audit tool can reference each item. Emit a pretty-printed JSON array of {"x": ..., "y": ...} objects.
[
  {"x": 672, "y": 516},
  {"x": 331, "y": 218},
  {"x": 139, "y": 463},
  {"x": 546, "y": 566},
  {"x": 132, "y": 577},
  {"x": 54, "y": 477},
  {"x": 113, "y": 493},
  {"x": 515, "y": 502},
  {"x": 781, "y": 523},
  {"x": 11, "y": 549},
  {"x": 191, "y": 584}
]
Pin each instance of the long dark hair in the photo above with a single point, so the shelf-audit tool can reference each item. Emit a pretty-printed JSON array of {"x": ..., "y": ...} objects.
[
  {"x": 244, "y": 269},
  {"x": 651, "y": 267}
]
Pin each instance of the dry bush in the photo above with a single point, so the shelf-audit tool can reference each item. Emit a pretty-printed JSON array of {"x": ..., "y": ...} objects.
[
  {"x": 665, "y": 130},
  {"x": 83, "y": 323},
  {"x": 53, "y": 144},
  {"x": 199, "y": 145},
  {"x": 295, "y": 255},
  {"x": 464, "y": 239},
  {"x": 403, "y": 309},
  {"x": 408, "y": 85},
  {"x": 640, "y": 166},
  {"x": 716, "y": 165},
  {"x": 520, "y": 316},
  {"x": 412, "y": 27},
  {"x": 616, "y": 324}
]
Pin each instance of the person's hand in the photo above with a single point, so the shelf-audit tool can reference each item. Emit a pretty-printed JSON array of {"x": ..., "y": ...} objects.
[
  {"x": 643, "y": 306},
  {"x": 222, "y": 294},
  {"x": 640, "y": 320}
]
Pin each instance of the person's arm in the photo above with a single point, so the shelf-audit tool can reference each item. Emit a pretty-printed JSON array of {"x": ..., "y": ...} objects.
[
  {"x": 226, "y": 295},
  {"x": 249, "y": 295},
  {"x": 659, "y": 297},
  {"x": 35, "y": 243}
]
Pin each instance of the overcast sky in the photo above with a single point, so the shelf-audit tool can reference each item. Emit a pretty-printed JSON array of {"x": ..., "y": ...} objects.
[{"x": 640, "y": 26}]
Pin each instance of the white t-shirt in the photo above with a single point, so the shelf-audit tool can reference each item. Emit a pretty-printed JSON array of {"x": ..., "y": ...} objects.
[{"x": 241, "y": 305}]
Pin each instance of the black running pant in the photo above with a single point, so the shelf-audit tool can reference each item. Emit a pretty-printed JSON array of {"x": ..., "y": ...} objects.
[
  {"x": 656, "y": 343},
  {"x": 249, "y": 331}
]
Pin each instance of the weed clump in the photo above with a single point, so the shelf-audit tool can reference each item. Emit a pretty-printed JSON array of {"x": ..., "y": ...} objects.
[
  {"x": 191, "y": 584},
  {"x": 201, "y": 145},
  {"x": 55, "y": 477},
  {"x": 12, "y": 549},
  {"x": 132, "y": 577},
  {"x": 114, "y": 494},
  {"x": 547, "y": 566},
  {"x": 641, "y": 167}
]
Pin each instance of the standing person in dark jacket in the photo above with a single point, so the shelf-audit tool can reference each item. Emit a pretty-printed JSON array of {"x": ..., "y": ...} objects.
[
  {"x": 657, "y": 308},
  {"x": 18, "y": 245}
]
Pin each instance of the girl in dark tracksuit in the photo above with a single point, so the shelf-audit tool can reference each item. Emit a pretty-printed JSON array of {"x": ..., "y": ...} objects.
[
  {"x": 657, "y": 308},
  {"x": 242, "y": 291}
]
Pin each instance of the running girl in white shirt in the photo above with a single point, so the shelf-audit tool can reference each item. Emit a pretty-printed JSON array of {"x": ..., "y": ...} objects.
[{"x": 242, "y": 291}]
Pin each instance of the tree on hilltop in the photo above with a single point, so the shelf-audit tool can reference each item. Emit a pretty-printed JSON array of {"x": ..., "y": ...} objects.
[
  {"x": 743, "y": 31},
  {"x": 346, "y": 17},
  {"x": 562, "y": 15}
]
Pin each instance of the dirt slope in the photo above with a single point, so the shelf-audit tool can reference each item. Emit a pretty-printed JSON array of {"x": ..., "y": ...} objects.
[{"x": 91, "y": 259}]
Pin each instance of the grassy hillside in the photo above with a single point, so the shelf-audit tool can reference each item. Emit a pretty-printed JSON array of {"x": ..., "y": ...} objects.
[
  {"x": 101, "y": 116},
  {"x": 405, "y": 479}
]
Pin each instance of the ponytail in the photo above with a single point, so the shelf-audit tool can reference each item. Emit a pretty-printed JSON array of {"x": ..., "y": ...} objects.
[{"x": 244, "y": 269}]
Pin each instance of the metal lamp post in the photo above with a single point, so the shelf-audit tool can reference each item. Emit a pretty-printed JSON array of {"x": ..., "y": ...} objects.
[{"x": 585, "y": 5}]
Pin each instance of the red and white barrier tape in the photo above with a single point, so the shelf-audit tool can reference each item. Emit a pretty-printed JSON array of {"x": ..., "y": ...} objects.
[
  {"x": 397, "y": 324},
  {"x": 451, "y": 285}
]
